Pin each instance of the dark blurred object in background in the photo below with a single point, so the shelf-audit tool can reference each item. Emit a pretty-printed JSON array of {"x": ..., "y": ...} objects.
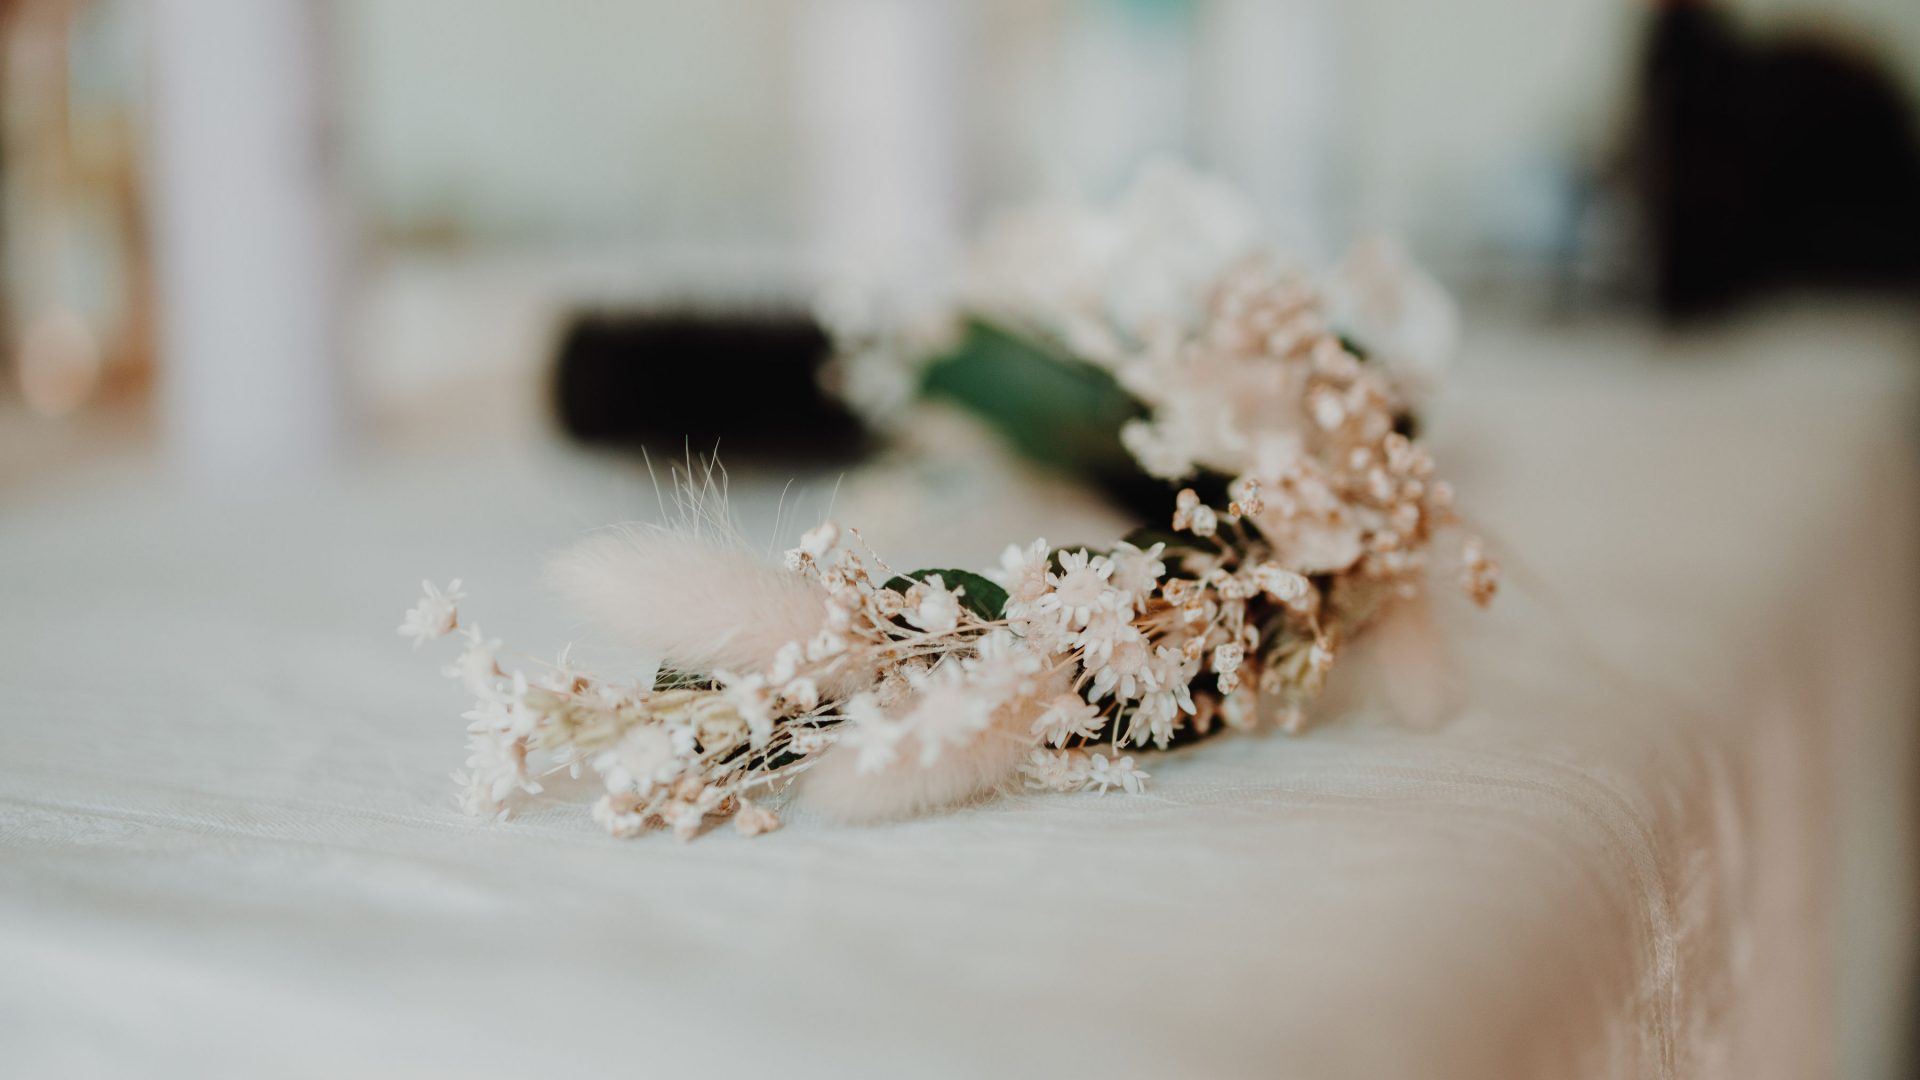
[
  {"x": 682, "y": 382},
  {"x": 1763, "y": 162}
]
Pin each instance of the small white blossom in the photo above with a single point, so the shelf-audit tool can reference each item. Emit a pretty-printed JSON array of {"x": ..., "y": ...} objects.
[
  {"x": 645, "y": 756},
  {"x": 1023, "y": 572},
  {"x": 1105, "y": 772},
  {"x": 620, "y": 815},
  {"x": 1126, "y": 670},
  {"x": 1135, "y": 572},
  {"x": 1067, "y": 716},
  {"x": 1109, "y": 627},
  {"x": 815, "y": 544},
  {"x": 496, "y": 768},
  {"x": 820, "y": 539},
  {"x": 1204, "y": 521},
  {"x": 753, "y": 699},
  {"x": 477, "y": 667},
  {"x": 1056, "y": 770},
  {"x": 803, "y": 694},
  {"x": 1004, "y": 666},
  {"x": 948, "y": 711},
  {"x": 1079, "y": 587},
  {"x": 435, "y": 615},
  {"x": 1191, "y": 515},
  {"x": 874, "y": 736},
  {"x": 684, "y": 817},
  {"x": 1227, "y": 657},
  {"x": 938, "y": 609}
]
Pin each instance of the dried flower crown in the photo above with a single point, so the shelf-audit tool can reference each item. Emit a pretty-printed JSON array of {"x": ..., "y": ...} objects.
[{"x": 895, "y": 693}]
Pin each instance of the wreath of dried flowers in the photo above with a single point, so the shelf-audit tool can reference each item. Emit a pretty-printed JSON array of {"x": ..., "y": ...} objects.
[{"x": 887, "y": 693}]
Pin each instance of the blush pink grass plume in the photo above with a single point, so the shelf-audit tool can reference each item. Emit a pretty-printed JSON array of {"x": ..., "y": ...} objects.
[
  {"x": 694, "y": 603},
  {"x": 906, "y": 788},
  {"x": 1402, "y": 663}
]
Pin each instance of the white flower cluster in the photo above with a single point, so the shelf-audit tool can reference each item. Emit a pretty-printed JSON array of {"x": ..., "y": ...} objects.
[
  {"x": 1234, "y": 615},
  {"x": 1321, "y": 511},
  {"x": 1107, "y": 283}
]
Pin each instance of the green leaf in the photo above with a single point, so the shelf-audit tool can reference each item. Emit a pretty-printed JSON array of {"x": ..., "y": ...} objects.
[
  {"x": 670, "y": 679},
  {"x": 1052, "y": 406},
  {"x": 978, "y": 594}
]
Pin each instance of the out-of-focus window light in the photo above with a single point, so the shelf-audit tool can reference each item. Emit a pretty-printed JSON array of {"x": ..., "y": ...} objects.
[
  {"x": 77, "y": 297},
  {"x": 59, "y": 363}
]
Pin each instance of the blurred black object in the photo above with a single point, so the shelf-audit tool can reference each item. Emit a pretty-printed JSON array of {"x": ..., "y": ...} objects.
[
  {"x": 1764, "y": 162},
  {"x": 679, "y": 382}
]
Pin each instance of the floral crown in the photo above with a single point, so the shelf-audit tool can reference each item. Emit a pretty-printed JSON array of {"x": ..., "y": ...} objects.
[{"x": 1299, "y": 513}]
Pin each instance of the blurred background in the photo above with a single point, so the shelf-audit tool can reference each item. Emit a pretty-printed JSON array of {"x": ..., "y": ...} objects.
[
  {"x": 247, "y": 233},
  {"x": 252, "y": 240}
]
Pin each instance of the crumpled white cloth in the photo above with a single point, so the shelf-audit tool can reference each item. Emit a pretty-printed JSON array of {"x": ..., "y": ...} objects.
[{"x": 1667, "y": 839}]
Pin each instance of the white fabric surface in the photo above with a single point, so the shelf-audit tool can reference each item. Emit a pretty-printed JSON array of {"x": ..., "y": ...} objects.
[{"x": 227, "y": 844}]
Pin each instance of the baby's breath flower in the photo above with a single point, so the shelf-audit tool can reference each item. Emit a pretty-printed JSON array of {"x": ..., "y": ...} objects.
[
  {"x": 786, "y": 663},
  {"x": 803, "y": 694},
  {"x": 753, "y": 700},
  {"x": 934, "y": 609},
  {"x": 1479, "y": 574},
  {"x": 872, "y": 734},
  {"x": 684, "y": 817},
  {"x": 620, "y": 815},
  {"x": 820, "y": 539},
  {"x": 1227, "y": 657},
  {"x": 1280, "y": 583},
  {"x": 815, "y": 544},
  {"x": 752, "y": 819},
  {"x": 1184, "y": 504},
  {"x": 1203, "y": 521}
]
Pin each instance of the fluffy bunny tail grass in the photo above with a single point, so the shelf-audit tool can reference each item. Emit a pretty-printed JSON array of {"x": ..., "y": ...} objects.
[
  {"x": 905, "y": 788},
  {"x": 695, "y": 604}
]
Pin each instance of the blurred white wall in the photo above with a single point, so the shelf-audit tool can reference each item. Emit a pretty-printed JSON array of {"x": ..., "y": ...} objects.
[
  {"x": 574, "y": 120},
  {"x": 673, "y": 124},
  {"x": 247, "y": 235},
  {"x": 547, "y": 155}
]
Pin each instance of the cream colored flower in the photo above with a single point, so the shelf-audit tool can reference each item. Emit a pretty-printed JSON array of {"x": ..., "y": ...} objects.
[
  {"x": 1056, "y": 770},
  {"x": 1067, "y": 716},
  {"x": 1023, "y": 572},
  {"x": 1079, "y": 587}
]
